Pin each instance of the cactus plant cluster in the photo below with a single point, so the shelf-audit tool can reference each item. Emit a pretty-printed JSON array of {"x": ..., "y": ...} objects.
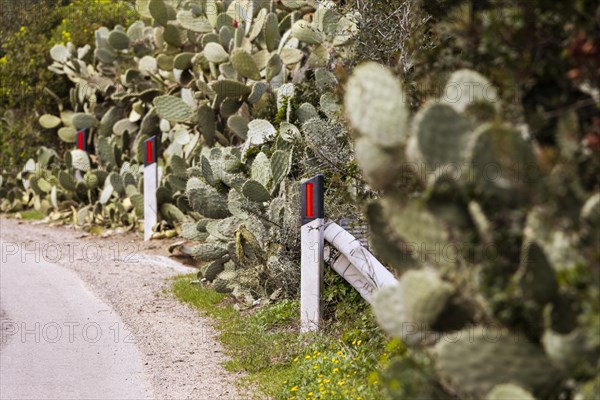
[
  {"x": 245, "y": 206},
  {"x": 221, "y": 84},
  {"x": 486, "y": 258}
]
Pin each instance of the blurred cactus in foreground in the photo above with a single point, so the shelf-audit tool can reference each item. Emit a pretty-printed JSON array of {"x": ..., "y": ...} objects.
[{"x": 498, "y": 285}]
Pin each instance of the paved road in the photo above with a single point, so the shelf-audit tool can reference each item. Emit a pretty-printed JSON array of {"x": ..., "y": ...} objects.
[{"x": 60, "y": 341}]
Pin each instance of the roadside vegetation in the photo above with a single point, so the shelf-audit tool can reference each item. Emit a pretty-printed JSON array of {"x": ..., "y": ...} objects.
[
  {"x": 406, "y": 107},
  {"x": 28, "y": 89},
  {"x": 342, "y": 361}
]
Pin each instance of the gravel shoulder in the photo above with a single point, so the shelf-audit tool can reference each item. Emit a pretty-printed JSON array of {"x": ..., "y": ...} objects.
[{"x": 181, "y": 355}]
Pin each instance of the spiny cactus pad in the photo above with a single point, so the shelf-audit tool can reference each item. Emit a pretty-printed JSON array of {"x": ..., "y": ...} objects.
[
  {"x": 244, "y": 64},
  {"x": 478, "y": 359},
  {"x": 173, "y": 109},
  {"x": 206, "y": 200},
  {"x": 211, "y": 271},
  {"x": 84, "y": 121},
  {"x": 409, "y": 309},
  {"x": 281, "y": 164},
  {"x": 306, "y": 32},
  {"x": 208, "y": 252},
  {"x": 48, "y": 121},
  {"x": 466, "y": 87},
  {"x": 421, "y": 230},
  {"x": 256, "y": 192},
  {"x": 536, "y": 276},
  {"x": 261, "y": 169},
  {"x": 442, "y": 135},
  {"x": 375, "y": 105},
  {"x": 509, "y": 391}
]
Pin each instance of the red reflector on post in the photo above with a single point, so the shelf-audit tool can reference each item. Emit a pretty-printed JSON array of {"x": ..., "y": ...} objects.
[
  {"x": 80, "y": 140},
  {"x": 310, "y": 213},
  {"x": 149, "y": 152}
]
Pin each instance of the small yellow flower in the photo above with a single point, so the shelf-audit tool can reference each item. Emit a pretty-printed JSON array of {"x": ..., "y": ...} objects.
[
  {"x": 327, "y": 381},
  {"x": 310, "y": 393},
  {"x": 336, "y": 370},
  {"x": 296, "y": 359},
  {"x": 23, "y": 29},
  {"x": 359, "y": 342},
  {"x": 342, "y": 383},
  {"x": 354, "y": 342},
  {"x": 307, "y": 357},
  {"x": 295, "y": 388}
]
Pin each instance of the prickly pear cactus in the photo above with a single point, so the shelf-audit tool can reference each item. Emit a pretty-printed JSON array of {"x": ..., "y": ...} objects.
[
  {"x": 490, "y": 246},
  {"x": 475, "y": 364},
  {"x": 509, "y": 391},
  {"x": 411, "y": 308}
]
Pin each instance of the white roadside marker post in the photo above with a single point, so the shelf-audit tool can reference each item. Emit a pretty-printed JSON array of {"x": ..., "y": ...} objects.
[
  {"x": 82, "y": 144},
  {"x": 150, "y": 186},
  {"x": 312, "y": 260}
]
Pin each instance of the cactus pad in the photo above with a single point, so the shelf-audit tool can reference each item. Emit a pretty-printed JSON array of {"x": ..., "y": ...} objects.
[
  {"x": 255, "y": 192},
  {"x": 211, "y": 271},
  {"x": 173, "y": 109},
  {"x": 244, "y": 64},
  {"x": 384, "y": 121},
  {"x": 481, "y": 358},
  {"x": 48, "y": 121},
  {"x": 413, "y": 306}
]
